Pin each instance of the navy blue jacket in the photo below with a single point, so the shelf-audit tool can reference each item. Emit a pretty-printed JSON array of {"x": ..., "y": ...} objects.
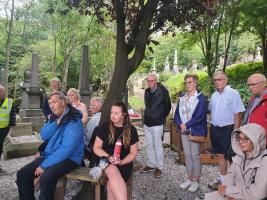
[{"x": 198, "y": 123}]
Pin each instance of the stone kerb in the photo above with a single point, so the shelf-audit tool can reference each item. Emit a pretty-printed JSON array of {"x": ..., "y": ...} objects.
[
  {"x": 21, "y": 141},
  {"x": 21, "y": 129}
]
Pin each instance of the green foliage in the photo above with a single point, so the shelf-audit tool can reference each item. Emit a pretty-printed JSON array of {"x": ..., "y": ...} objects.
[
  {"x": 186, "y": 52},
  {"x": 164, "y": 76},
  {"x": 175, "y": 84},
  {"x": 238, "y": 75},
  {"x": 243, "y": 71},
  {"x": 136, "y": 102}
]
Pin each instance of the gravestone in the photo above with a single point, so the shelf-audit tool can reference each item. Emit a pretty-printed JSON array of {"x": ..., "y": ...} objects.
[
  {"x": 258, "y": 56},
  {"x": 31, "y": 112},
  {"x": 167, "y": 65},
  {"x": 153, "y": 70},
  {"x": 25, "y": 85},
  {"x": 194, "y": 66},
  {"x": 175, "y": 63},
  {"x": 84, "y": 77}
]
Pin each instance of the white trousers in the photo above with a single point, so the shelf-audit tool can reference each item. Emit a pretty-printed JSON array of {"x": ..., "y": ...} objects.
[{"x": 154, "y": 148}]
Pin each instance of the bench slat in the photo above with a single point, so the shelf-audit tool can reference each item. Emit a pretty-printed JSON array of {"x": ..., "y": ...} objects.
[{"x": 81, "y": 173}]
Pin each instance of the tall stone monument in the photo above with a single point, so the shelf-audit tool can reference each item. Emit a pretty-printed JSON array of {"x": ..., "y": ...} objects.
[
  {"x": 258, "y": 56},
  {"x": 84, "y": 77},
  {"x": 175, "y": 63},
  {"x": 167, "y": 65},
  {"x": 31, "y": 111},
  {"x": 154, "y": 70},
  {"x": 25, "y": 85}
]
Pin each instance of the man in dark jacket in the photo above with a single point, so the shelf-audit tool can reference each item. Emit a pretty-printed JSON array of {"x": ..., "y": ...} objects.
[
  {"x": 7, "y": 119},
  {"x": 157, "y": 108},
  {"x": 54, "y": 86}
]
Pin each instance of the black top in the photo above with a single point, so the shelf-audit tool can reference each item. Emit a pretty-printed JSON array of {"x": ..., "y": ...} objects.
[{"x": 102, "y": 133}]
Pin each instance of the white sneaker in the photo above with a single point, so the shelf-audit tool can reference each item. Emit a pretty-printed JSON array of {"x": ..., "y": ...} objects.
[
  {"x": 186, "y": 184},
  {"x": 194, "y": 187}
]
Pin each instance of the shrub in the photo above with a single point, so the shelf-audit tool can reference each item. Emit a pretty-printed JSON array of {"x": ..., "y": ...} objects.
[
  {"x": 238, "y": 74},
  {"x": 136, "y": 102}
]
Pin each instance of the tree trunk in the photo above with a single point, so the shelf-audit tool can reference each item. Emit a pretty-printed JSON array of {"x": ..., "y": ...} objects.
[
  {"x": 65, "y": 72},
  {"x": 55, "y": 56},
  {"x": 229, "y": 40},
  {"x": 8, "y": 47},
  {"x": 125, "y": 66},
  {"x": 264, "y": 53},
  {"x": 118, "y": 83}
]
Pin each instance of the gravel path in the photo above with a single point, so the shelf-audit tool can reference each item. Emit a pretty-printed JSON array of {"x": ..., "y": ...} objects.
[{"x": 145, "y": 186}]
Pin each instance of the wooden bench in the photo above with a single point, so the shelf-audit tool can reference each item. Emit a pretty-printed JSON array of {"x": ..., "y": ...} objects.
[{"x": 82, "y": 174}]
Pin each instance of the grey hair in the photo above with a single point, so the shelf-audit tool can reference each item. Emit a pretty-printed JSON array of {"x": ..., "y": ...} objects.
[
  {"x": 98, "y": 100},
  {"x": 75, "y": 92},
  {"x": 59, "y": 94},
  {"x": 55, "y": 79},
  {"x": 153, "y": 76},
  {"x": 221, "y": 73}
]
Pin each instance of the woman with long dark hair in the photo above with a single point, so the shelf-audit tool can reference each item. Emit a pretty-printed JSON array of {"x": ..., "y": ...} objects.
[{"x": 120, "y": 170}]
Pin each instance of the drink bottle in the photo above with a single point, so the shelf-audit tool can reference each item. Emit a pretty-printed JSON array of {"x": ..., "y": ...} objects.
[{"x": 117, "y": 150}]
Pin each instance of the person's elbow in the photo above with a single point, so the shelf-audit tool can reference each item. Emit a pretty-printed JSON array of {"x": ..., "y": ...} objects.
[{"x": 96, "y": 149}]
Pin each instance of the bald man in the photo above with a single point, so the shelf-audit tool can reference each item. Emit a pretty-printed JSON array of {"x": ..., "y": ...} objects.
[{"x": 256, "y": 111}]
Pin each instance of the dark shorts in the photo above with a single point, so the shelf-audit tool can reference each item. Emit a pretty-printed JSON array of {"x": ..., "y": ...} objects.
[{"x": 220, "y": 138}]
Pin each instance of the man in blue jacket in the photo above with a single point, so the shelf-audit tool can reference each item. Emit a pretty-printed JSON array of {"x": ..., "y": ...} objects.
[{"x": 61, "y": 152}]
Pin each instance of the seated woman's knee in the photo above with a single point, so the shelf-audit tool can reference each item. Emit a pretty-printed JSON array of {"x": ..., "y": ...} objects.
[{"x": 112, "y": 170}]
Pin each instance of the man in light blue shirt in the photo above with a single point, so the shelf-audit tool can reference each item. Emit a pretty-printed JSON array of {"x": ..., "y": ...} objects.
[
  {"x": 226, "y": 108},
  {"x": 95, "y": 106}
]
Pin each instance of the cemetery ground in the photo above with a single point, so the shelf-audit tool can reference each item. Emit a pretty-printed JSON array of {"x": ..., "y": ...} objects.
[{"x": 145, "y": 186}]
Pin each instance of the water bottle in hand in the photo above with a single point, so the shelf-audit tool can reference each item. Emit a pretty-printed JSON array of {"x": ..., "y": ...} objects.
[{"x": 117, "y": 150}]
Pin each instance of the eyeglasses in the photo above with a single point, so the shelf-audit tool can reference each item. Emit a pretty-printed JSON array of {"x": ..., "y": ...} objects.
[
  {"x": 150, "y": 80},
  {"x": 242, "y": 139},
  {"x": 253, "y": 84},
  {"x": 189, "y": 82}
]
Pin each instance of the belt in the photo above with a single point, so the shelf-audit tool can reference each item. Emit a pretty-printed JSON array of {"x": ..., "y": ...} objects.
[{"x": 227, "y": 126}]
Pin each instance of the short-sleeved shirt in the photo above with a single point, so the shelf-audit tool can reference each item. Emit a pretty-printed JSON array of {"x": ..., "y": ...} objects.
[
  {"x": 224, "y": 106},
  {"x": 103, "y": 134}
]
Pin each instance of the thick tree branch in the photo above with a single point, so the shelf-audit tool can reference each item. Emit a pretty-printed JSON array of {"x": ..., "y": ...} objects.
[{"x": 143, "y": 34}]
